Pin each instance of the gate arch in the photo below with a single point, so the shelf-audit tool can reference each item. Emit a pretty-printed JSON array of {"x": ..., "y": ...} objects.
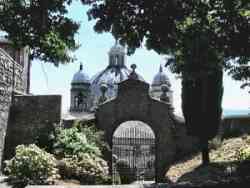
[
  {"x": 134, "y": 103},
  {"x": 133, "y": 152}
]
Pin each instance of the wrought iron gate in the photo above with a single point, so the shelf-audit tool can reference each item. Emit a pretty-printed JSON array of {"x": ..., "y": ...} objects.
[{"x": 133, "y": 154}]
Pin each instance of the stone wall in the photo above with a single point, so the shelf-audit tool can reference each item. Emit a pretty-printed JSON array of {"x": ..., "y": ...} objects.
[
  {"x": 7, "y": 86},
  {"x": 235, "y": 126},
  {"x": 185, "y": 145},
  {"x": 30, "y": 116},
  {"x": 5, "y": 100}
]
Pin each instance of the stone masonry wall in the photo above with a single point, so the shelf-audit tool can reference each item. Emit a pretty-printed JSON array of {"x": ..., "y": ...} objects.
[
  {"x": 7, "y": 86},
  {"x": 235, "y": 126},
  {"x": 5, "y": 100},
  {"x": 30, "y": 116}
]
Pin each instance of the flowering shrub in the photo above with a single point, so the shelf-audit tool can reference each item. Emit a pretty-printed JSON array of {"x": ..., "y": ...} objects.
[
  {"x": 72, "y": 142},
  {"x": 87, "y": 168},
  {"x": 32, "y": 165},
  {"x": 244, "y": 154},
  {"x": 80, "y": 151},
  {"x": 94, "y": 136}
]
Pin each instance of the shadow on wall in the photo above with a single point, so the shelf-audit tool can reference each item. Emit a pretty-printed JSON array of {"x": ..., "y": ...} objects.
[{"x": 28, "y": 116}]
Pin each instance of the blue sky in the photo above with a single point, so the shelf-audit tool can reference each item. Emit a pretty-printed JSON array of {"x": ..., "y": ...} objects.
[{"x": 93, "y": 53}]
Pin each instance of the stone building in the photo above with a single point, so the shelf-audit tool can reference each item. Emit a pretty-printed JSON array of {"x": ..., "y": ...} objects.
[
  {"x": 14, "y": 79},
  {"x": 87, "y": 94},
  {"x": 80, "y": 91},
  {"x": 21, "y": 114},
  {"x": 137, "y": 118}
]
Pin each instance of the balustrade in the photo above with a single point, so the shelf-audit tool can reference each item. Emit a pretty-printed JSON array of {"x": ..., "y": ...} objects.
[{"x": 7, "y": 65}]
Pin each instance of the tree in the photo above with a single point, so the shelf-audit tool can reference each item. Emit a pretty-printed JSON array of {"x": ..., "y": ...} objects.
[
  {"x": 201, "y": 106},
  {"x": 203, "y": 36},
  {"x": 42, "y": 25},
  {"x": 241, "y": 72}
]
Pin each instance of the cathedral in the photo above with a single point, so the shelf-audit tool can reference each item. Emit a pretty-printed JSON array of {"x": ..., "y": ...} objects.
[{"x": 87, "y": 94}]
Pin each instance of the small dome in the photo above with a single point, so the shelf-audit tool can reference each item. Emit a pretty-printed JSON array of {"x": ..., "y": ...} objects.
[
  {"x": 80, "y": 77},
  {"x": 161, "y": 78},
  {"x": 117, "y": 49}
]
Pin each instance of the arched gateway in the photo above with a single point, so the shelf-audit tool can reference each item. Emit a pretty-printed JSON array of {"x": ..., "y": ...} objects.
[
  {"x": 133, "y": 103},
  {"x": 133, "y": 153}
]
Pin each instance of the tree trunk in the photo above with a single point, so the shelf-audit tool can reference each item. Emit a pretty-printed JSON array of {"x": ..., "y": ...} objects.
[{"x": 205, "y": 152}]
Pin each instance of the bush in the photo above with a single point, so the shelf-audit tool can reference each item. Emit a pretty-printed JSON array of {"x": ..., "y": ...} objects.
[
  {"x": 80, "y": 151},
  {"x": 94, "y": 136},
  {"x": 73, "y": 142},
  {"x": 244, "y": 154},
  {"x": 45, "y": 137},
  {"x": 215, "y": 143},
  {"x": 87, "y": 168},
  {"x": 32, "y": 165}
]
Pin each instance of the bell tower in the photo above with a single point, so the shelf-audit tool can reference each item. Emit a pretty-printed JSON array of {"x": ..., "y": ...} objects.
[{"x": 80, "y": 92}]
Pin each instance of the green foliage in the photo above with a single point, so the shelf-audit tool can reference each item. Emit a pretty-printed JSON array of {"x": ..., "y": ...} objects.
[
  {"x": 200, "y": 32},
  {"x": 87, "y": 168},
  {"x": 45, "y": 137},
  {"x": 32, "y": 165},
  {"x": 94, "y": 136},
  {"x": 80, "y": 151},
  {"x": 203, "y": 114},
  {"x": 42, "y": 25},
  {"x": 244, "y": 154},
  {"x": 74, "y": 142}
]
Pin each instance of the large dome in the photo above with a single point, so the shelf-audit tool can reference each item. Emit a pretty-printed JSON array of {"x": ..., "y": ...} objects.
[
  {"x": 161, "y": 78},
  {"x": 113, "y": 74},
  {"x": 80, "y": 77}
]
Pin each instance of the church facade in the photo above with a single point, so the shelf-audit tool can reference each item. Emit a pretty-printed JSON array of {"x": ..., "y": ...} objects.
[{"x": 87, "y": 94}]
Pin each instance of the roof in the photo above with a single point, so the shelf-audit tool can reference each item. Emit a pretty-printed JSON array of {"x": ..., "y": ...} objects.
[
  {"x": 161, "y": 78},
  {"x": 82, "y": 116},
  {"x": 80, "y": 77}
]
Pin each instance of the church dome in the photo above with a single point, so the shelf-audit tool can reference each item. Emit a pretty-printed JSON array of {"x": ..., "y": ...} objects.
[
  {"x": 113, "y": 74},
  {"x": 80, "y": 77},
  {"x": 161, "y": 78}
]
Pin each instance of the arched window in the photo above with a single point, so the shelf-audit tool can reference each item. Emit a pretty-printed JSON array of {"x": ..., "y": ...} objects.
[
  {"x": 76, "y": 101},
  {"x": 116, "y": 60},
  {"x": 80, "y": 99}
]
